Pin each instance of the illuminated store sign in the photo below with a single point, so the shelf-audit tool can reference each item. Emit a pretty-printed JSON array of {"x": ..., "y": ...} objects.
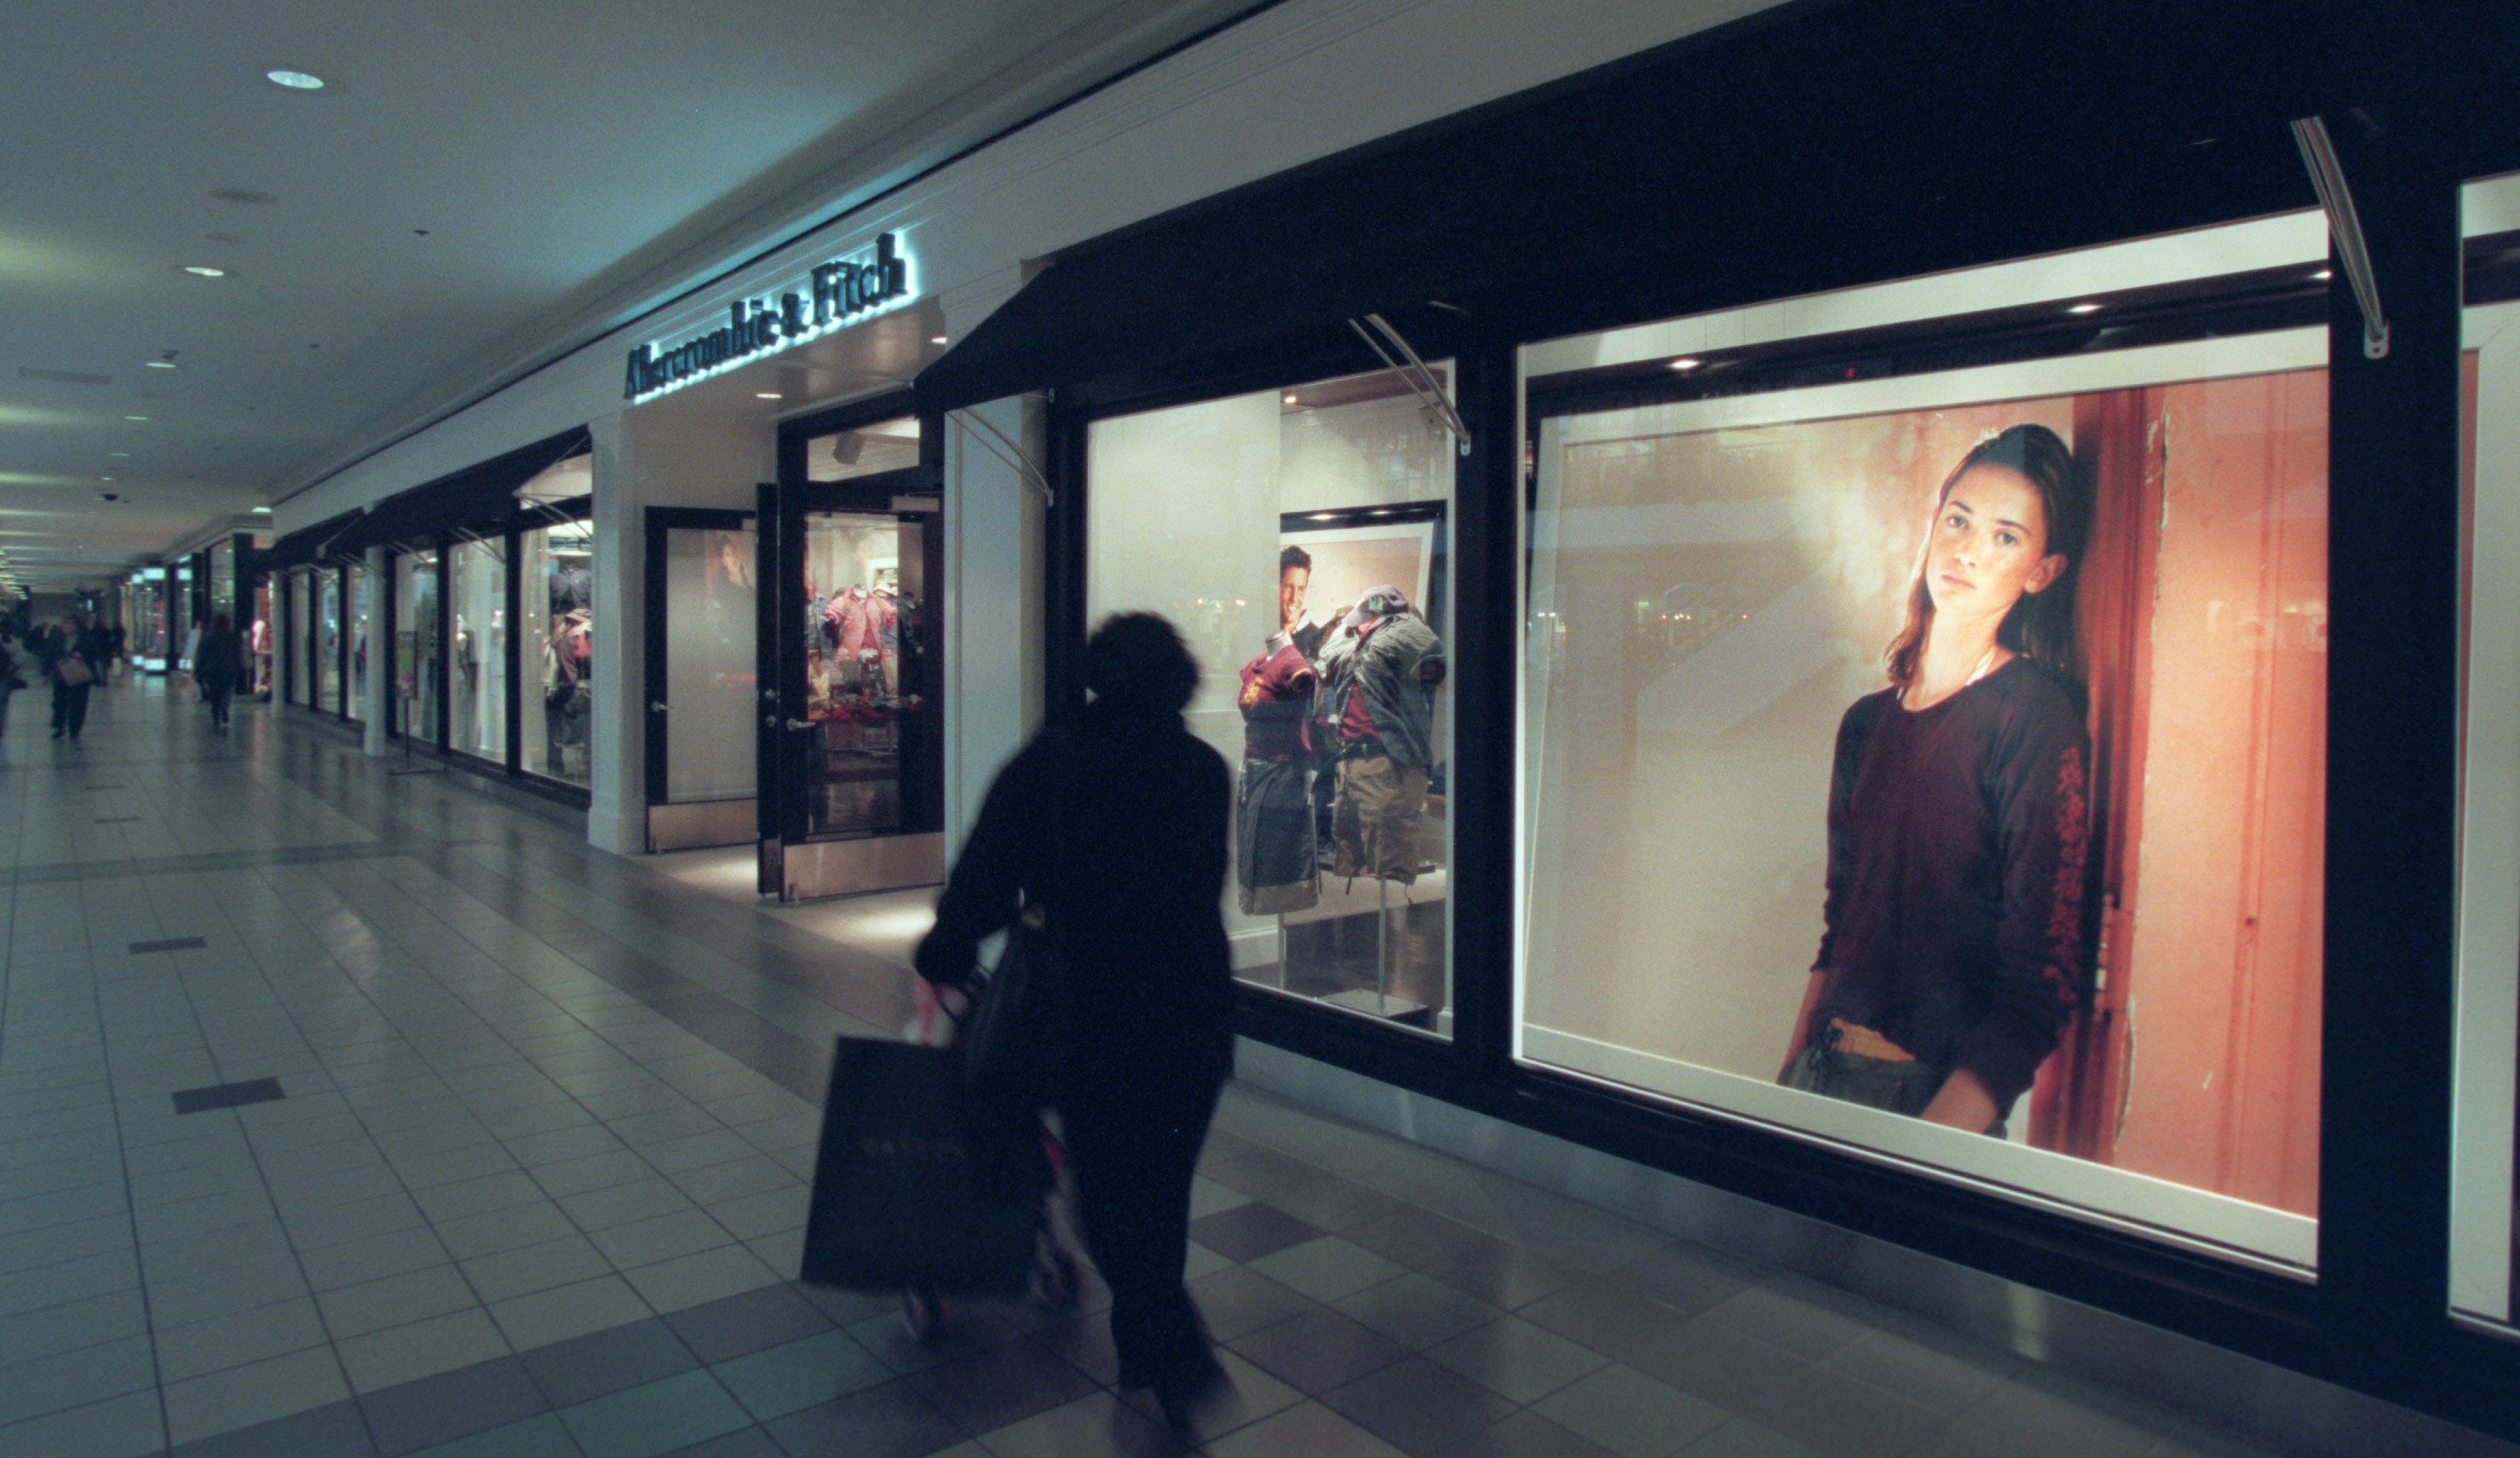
[{"x": 836, "y": 294}]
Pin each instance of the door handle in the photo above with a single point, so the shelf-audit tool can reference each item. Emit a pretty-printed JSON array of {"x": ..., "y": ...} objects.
[
  {"x": 659, "y": 707},
  {"x": 800, "y": 724}
]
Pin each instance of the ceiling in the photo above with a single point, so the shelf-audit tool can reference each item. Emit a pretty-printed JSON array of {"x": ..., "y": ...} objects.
[{"x": 479, "y": 187}]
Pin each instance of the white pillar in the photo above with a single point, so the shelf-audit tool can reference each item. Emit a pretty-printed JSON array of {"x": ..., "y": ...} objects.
[
  {"x": 994, "y": 529},
  {"x": 617, "y": 732},
  {"x": 378, "y": 699}
]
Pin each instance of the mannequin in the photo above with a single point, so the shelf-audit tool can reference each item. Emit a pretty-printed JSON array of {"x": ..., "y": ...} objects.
[
  {"x": 1275, "y": 867},
  {"x": 1379, "y": 670}
]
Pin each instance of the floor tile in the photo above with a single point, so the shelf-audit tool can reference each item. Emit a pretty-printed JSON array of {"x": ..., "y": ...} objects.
[
  {"x": 697, "y": 1279},
  {"x": 125, "y": 1427},
  {"x": 536, "y": 1268},
  {"x": 1637, "y": 1417},
  {"x": 1097, "y": 1424},
  {"x": 882, "y": 1422},
  {"x": 654, "y": 1418},
  {"x": 1308, "y": 1429},
  {"x": 76, "y": 1379},
  {"x": 252, "y": 1394},
  {"x": 1319, "y": 1350},
  {"x": 544, "y": 1436},
  {"x": 1417, "y": 1406},
  {"x": 1528, "y": 1435},
  {"x": 796, "y": 1375},
  {"x": 564, "y": 1311},
  {"x": 532, "y": 1224},
  {"x": 622, "y": 1203},
  {"x": 436, "y": 1410},
  {"x": 73, "y": 1325},
  {"x": 721, "y": 1330},
  {"x": 1241, "y": 1300},
  {"x": 1417, "y": 1310},
  {"x": 1327, "y": 1268},
  {"x": 1003, "y": 1385},
  {"x": 607, "y": 1361},
  {"x": 1517, "y": 1359},
  {"x": 603, "y": 1170},
  {"x": 1250, "y": 1229},
  {"x": 372, "y": 1258},
  {"x": 373, "y": 1305},
  {"x": 240, "y": 1337},
  {"x": 661, "y": 1238},
  {"x": 422, "y": 1348}
]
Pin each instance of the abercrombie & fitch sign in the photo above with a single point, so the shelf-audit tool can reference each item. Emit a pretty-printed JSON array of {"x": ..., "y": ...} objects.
[{"x": 836, "y": 293}]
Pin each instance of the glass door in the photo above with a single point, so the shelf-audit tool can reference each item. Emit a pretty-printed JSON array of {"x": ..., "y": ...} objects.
[
  {"x": 854, "y": 797},
  {"x": 704, "y": 611}
]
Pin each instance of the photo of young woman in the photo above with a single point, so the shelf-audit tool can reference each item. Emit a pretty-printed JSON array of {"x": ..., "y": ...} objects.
[{"x": 1953, "y": 927}]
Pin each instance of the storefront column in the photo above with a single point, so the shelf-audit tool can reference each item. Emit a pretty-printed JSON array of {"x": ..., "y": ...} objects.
[
  {"x": 375, "y": 705},
  {"x": 994, "y": 526}
]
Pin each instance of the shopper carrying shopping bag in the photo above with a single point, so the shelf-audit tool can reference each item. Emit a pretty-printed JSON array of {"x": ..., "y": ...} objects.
[{"x": 1112, "y": 829}]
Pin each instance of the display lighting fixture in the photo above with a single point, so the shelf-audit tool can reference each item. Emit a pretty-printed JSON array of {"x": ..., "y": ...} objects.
[
  {"x": 295, "y": 80},
  {"x": 936, "y": 338},
  {"x": 766, "y": 395},
  {"x": 1685, "y": 363},
  {"x": 161, "y": 364},
  {"x": 2323, "y": 275},
  {"x": 204, "y": 270},
  {"x": 2082, "y": 308},
  {"x": 1288, "y": 400}
]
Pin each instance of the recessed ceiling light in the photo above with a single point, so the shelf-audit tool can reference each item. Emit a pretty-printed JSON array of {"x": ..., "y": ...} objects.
[
  {"x": 1684, "y": 363},
  {"x": 295, "y": 80},
  {"x": 766, "y": 395},
  {"x": 2325, "y": 273},
  {"x": 161, "y": 363},
  {"x": 264, "y": 510},
  {"x": 936, "y": 339},
  {"x": 202, "y": 271},
  {"x": 2082, "y": 308},
  {"x": 1288, "y": 400},
  {"x": 105, "y": 478},
  {"x": 120, "y": 455},
  {"x": 135, "y": 418}
]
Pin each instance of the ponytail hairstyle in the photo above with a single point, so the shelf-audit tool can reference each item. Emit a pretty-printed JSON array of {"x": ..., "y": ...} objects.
[{"x": 2041, "y": 626}]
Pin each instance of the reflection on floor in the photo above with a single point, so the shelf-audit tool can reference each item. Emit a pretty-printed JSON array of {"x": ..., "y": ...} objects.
[
  {"x": 886, "y": 923},
  {"x": 535, "y": 1179}
]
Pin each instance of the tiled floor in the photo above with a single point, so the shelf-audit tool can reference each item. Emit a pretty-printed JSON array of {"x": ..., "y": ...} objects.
[{"x": 538, "y": 1175}]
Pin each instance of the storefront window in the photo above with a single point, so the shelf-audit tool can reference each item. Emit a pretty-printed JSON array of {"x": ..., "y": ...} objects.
[
  {"x": 555, "y": 648},
  {"x": 301, "y": 638},
  {"x": 477, "y": 667},
  {"x": 180, "y": 625},
  {"x": 1300, "y": 540},
  {"x": 363, "y": 607},
  {"x": 223, "y": 581},
  {"x": 1902, "y": 753},
  {"x": 416, "y": 684},
  {"x": 865, "y": 451},
  {"x": 709, "y": 664},
  {"x": 328, "y": 641},
  {"x": 2483, "y": 1229},
  {"x": 262, "y": 635}
]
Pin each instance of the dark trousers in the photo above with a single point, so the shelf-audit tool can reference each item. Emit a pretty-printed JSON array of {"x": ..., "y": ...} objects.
[
  {"x": 218, "y": 694},
  {"x": 70, "y": 707},
  {"x": 1131, "y": 1151}
]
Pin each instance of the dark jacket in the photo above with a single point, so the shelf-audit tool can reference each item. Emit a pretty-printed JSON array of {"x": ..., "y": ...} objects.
[
  {"x": 1116, "y": 829},
  {"x": 219, "y": 659}
]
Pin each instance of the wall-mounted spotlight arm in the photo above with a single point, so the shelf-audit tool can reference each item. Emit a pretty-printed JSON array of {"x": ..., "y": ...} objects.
[
  {"x": 1415, "y": 373},
  {"x": 2327, "y": 176},
  {"x": 997, "y": 443}
]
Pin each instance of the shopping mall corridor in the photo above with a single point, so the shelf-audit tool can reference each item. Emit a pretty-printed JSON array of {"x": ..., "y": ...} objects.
[{"x": 350, "y": 1111}]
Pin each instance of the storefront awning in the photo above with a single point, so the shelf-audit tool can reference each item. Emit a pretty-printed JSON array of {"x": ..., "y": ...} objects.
[
  {"x": 1734, "y": 167},
  {"x": 474, "y": 499},
  {"x": 305, "y": 545}
]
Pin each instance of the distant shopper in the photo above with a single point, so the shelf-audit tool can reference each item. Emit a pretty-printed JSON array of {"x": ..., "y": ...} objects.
[
  {"x": 71, "y": 666},
  {"x": 14, "y": 658},
  {"x": 121, "y": 648},
  {"x": 1127, "y": 871},
  {"x": 219, "y": 661}
]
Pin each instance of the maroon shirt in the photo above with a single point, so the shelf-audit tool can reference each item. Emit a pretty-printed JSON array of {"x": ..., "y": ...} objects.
[
  {"x": 1277, "y": 703},
  {"x": 1958, "y": 841}
]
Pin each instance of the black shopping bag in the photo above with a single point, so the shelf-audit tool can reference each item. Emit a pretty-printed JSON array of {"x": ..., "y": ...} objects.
[{"x": 920, "y": 1183}]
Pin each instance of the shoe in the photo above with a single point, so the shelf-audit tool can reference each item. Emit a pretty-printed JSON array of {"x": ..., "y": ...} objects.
[{"x": 1181, "y": 1396}]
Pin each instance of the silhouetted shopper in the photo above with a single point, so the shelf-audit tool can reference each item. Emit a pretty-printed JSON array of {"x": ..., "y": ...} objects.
[
  {"x": 13, "y": 664},
  {"x": 217, "y": 663},
  {"x": 77, "y": 653},
  {"x": 1115, "y": 826}
]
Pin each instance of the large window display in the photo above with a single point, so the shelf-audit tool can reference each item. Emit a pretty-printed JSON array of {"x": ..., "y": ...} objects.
[
  {"x": 479, "y": 659},
  {"x": 1930, "y": 763},
  {"x": 555, "y": 648},
  {"x": 363, "y": 614},
  {"x": 863, "y": 596},
  {"x": 328, "y": 639},
  {"x": 301, "y": 639},
  {"x": 1300, "y": 540},
  {"x": 416, "y": 684},
  {"x": 2485, "y": 1234}
]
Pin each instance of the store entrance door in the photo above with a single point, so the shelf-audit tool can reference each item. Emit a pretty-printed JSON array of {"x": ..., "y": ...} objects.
[
  {"x": 703, "y": 617},
  {"x": 852, "y": 788}
]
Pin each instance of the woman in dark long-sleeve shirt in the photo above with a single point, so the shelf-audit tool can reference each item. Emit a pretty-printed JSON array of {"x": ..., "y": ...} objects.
[
  {"x": 1952, "y": 952},
  {"x": 1115, "y": 828}
]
